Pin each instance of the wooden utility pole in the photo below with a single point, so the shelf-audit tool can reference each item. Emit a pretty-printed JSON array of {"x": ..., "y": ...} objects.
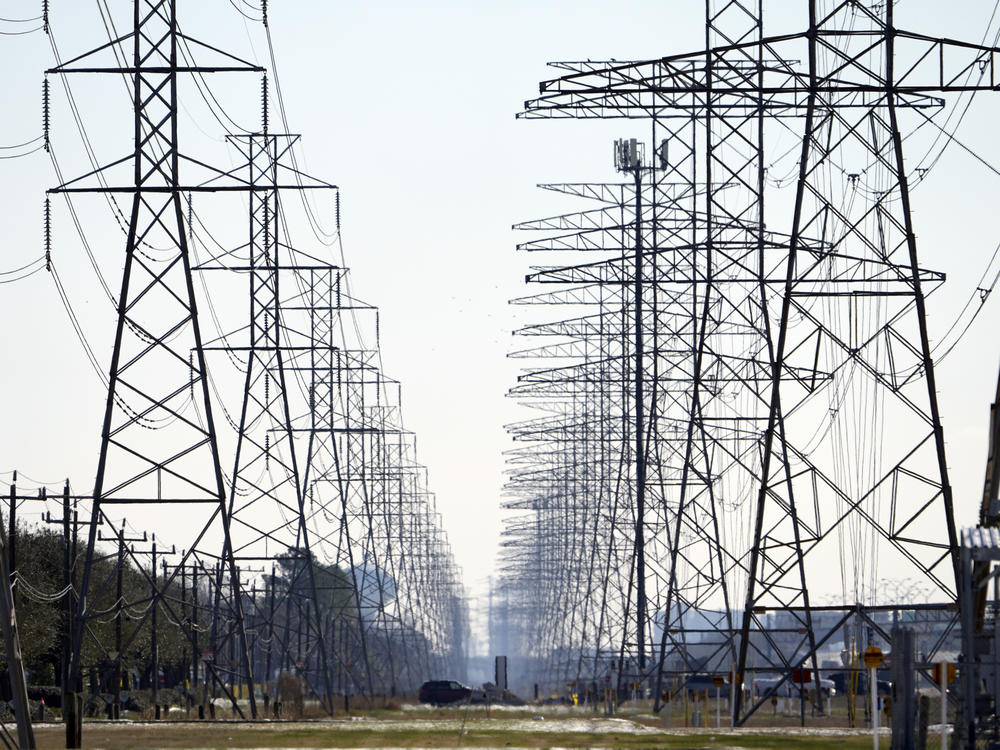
[
  {"x": 155, "y": 596},
  {"x": 216, "y": 592},
  {"x": 12, "y": 541},
  {"x": 115, "y": 708},
  {"x": 12, "y": 644},
  {"x": 196, "y": 656},
  {"x": 270, "y": 638},
  {"x": 71, "y": 684},
  {"x": 70, "y": 604},
  {"x": 155, "y": 646}
]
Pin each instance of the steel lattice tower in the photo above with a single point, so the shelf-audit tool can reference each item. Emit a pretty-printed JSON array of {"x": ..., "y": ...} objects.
[
  {"x": 363, "y": 594},
  {"x": 791, "y": 349},
  {"x": 368, "y": 502},
  {"x": 158, "y": 371},
  {"x": 266, "y": 500}
]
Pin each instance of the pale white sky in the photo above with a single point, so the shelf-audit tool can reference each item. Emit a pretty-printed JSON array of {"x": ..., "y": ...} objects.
[{"x": 409, "y": 108}]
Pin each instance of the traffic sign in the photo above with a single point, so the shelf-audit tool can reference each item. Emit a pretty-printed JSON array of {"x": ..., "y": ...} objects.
[
  {"x": 801, "y": 676},
  {"x": 873, "y": 657},
  {"x": 718, "y": 680},
  {"x": 950, "y": 673}
]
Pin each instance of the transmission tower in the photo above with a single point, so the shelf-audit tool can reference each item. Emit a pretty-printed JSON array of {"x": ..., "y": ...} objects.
[
  {"x": 158, "y": 441},
  {"x": 801, "y": 347},
  {"x": 266, "y": 500},
  {"x": 368, "y": 501},
  {"x": 321, "y": 553}
]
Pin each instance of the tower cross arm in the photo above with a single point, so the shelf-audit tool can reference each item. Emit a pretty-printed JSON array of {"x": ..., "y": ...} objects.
[
  {"x": 769, "y": 73},
  {"x": 223, "y": 62},
  {"x": 925, "y": 63}
]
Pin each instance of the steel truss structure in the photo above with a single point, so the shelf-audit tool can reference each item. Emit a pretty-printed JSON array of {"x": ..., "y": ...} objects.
[
  {"x": 384, "y": 594},
  {"x": 158, "y": 374},
  {"x": 321, "y": 554},
  {"x": 265, "y": 487},
  {"x": 369, "y": 504},
  {"x": 711, "y": 447}
]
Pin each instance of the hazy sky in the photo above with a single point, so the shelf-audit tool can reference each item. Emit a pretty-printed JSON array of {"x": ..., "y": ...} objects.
[{"x": 409, "y": 108}]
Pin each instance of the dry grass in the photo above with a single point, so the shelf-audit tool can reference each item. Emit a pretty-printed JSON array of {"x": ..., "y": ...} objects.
[{"x": 437, "y": 728}]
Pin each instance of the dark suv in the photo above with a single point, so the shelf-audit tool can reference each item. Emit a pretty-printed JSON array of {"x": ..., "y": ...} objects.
[
  {"x": 841, "y": 680},
  {"x": 439, "y": 692}
]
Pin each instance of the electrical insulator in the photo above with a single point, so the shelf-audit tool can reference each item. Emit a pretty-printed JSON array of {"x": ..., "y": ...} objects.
[
  {"x": 267, "y": 233},
  {"x": 263, "y": 99},
  {"x": 48, "y": 235},
  {"x": 45, "y": 112}
]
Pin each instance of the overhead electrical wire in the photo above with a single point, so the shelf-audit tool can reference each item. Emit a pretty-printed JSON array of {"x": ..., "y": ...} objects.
[
  {"x": 41, "y": 267},
  {"x": 949, "y": 134},
  {"x": 39, "y": 259},
  {"x": 59, "y": 176},
  {"x": 77, "y": 224},
  {"x": 983, "y": 293},
  {"x": 214, "y": 107},
  {"x": 37, "y": 143},
  {"x": 324, "y": 237},
  {"x": 21, "y": 33},
  {"x": 77, "y": 328},
  {"x": 36, "y": 149},
  {"x": 244, "y": 14},
  {"x": 971, "y": 96},
  {"x": 91, "y": 357},
  {"x": 85, "y": 139}
]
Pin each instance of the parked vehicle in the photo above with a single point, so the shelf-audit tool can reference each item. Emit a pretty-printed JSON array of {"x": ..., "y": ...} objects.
[
  {"x": 442, "y": 692},
  {"x": 702, "y": 683},
  {"x": 842, "y": 681},
  {"x": 788, "y": 689}
]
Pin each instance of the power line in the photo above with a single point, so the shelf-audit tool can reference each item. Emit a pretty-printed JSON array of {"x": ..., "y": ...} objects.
[
  {"x": 22, "y": 145},
  {"x": 20, "y": 33}
]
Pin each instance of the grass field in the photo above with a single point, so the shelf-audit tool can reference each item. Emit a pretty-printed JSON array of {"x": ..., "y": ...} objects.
[{"x": 429, "y": 728}]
